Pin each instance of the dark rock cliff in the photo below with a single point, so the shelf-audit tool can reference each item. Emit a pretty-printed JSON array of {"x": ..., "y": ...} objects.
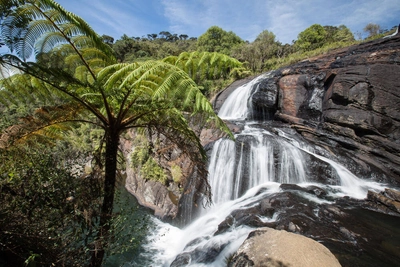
[{"x": 347, "y": 101}]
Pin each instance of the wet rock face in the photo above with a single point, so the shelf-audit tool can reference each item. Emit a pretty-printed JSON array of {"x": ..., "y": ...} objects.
[
  {"x": 356, "y": 231},
  {"x": 162, "y": 198},
  {"x": 264, "y": 99},
  {"x": 347, "y": 100},
  {"x": 357, "y": 102},
  {"x": 387, "y": 201}
]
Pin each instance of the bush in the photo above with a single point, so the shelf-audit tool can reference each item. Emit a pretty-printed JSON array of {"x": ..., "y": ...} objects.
[
  {"x": 176, "y": 173},
  {"x": 47, "y": 210},
  {"x": 152, "y": 171}
]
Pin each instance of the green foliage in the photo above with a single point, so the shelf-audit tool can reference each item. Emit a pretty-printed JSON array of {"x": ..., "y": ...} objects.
[
  {"x": 372, "y": 29},
  {"x": 341, "y": 34},
  {"x": 276, "y": 63},
  {"x": 215, "y": 39},
  {"x": 143, "y": 161},
  {"x": 85, "y": 138},
  {"x": 205, "y": 68},
  {"x": 240, "y": 73},
  {"x": 131, "y": 49},
  {"x": 43, "y": 34},
  {"x": 311, "y": 38},
  {"x": 139, "y": 156},
  {"x": 129, "y": 227},
  {"x": 153, "y": 171},
  {"x": 255, "y": 54},
  {"x": 47, "y": 211},
  {"x": 317, "y": 36},
  {"x": 176, "y": 173}
]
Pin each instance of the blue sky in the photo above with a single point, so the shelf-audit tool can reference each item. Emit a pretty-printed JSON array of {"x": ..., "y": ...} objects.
[{"x": 247, "y": 18}]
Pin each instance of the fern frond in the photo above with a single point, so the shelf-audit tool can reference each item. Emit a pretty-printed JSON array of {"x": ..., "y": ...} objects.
[{"x": 45, "y": 123}]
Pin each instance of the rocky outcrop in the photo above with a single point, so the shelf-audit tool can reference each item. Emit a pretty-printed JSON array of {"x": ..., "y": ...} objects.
[
  {"x": 346, "y": 101},
  {"x": 357, "y": 232},
  {"x": 351, "y": 229},
  {"x": 387, "y": 201},
  {"x": 269, "y": 247},
  {"x": 161, "y": 197}
]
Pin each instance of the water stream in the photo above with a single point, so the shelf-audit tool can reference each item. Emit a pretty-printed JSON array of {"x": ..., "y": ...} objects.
[{"x": 242, "y": 172}]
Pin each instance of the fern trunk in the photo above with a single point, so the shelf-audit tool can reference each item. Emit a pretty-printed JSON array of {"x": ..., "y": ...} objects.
[{"x": 101, "y": 243}]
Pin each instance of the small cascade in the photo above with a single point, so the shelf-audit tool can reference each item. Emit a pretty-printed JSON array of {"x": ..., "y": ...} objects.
[
  {"x": 236, "y": 106},
  {"x": 257, "y": 157},
  {"x": 349, "y": 184},
  {"x": 221, "y": 182},
  {"x": 171, "y": 246}
]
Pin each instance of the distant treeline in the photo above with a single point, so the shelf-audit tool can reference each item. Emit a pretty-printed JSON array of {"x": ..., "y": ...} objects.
[{"x": 263, "y": 54}]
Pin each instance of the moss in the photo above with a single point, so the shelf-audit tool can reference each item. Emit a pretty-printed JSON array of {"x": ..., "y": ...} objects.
[
  {"x": 152, "y": 171},
  {"x": 176, "y": 173}
]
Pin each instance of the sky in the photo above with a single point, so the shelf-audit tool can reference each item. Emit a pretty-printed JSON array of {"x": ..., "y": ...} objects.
[{"x": 246, "y": 18}]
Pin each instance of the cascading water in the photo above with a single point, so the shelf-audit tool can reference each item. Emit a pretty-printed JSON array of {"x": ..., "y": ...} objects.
[
  {"x": 242, "y": 172},
  {"x": 237, "y": 105},
  {"x": 264, "y": 158}
]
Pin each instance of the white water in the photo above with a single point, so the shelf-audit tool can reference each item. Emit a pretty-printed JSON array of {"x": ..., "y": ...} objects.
[
  {"x": 168, "y": 241},
  {"x": 350, "y": 185},
  {"x": 234, "y": 186},
  {"x": 235, "y": 106}
]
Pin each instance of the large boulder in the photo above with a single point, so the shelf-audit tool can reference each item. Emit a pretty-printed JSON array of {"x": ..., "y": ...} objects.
[{"x": 269, "y": 247}]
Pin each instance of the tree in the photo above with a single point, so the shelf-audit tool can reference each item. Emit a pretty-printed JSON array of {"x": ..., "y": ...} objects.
[
  {"x": 265, "y": 47},
  {"x": 311, "y": 38},
  {"x": 338, "y": 34},
  {"x": 183, "y": 36},
  {"x": 258, "y": 52},
  {"x": 124, "y": 47},
  {"x": 343, "y": 34},
  {"x": 91, "y": 87},
  {"x": 372, "y": 29},
  {"x": 152, "y": 36},
  {"x": 216, "y": 39},
  {"x": 165, "y": 35},
  {"x": 107, "y": 39}
]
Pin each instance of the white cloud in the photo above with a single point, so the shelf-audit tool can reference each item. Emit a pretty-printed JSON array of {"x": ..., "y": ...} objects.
[
  {"x": 386, "y": 13},
  {"x": 286, "y": 18}
]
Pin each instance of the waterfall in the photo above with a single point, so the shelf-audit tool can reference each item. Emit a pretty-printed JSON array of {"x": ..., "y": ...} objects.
[
  {"x": 349, "y": 184},
  {"x": 258, "y": 163},
  {"x": 237, "y": 105},
  {"x": 241, "y": 173},
  {"x": 221, "y": 181}
]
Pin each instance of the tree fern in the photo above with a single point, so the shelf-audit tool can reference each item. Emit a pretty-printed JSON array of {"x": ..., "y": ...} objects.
[
  {"x": 76, "y": 79},
  {"x": 210, "y": 65}
]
